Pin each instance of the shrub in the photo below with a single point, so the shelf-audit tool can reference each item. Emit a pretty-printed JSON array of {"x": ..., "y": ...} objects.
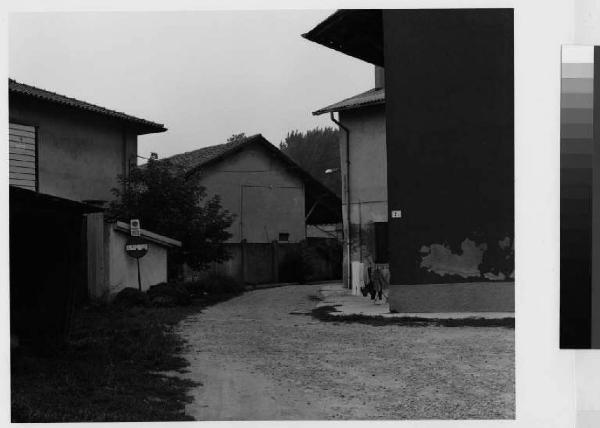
[
  {"x": 294, "y": 266},
  {"x": 169, "y": 294},
  {"x": 129, "y": 297}
]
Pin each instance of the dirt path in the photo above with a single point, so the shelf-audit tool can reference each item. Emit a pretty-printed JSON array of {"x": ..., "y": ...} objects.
[{"x": 259, "y": 358}]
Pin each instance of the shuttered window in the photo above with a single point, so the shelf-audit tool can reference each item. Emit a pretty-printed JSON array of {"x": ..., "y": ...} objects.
[{"x": 22, "y": 154}]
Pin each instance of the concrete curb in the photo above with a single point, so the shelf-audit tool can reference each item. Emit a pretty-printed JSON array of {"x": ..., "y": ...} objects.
[{"x": 348, "y": 305}]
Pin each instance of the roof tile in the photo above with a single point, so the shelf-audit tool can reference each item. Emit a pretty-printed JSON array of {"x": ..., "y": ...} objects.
[
  {"x": 144, "y": 126},
  {"x": 368, "y": 98},
  {"x": 197, "y": 158}
]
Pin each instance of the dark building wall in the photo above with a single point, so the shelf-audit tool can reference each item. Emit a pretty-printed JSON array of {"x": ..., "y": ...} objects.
[
  {"x": 47, "y": 265},
  {"x": 450, "y": 143}
]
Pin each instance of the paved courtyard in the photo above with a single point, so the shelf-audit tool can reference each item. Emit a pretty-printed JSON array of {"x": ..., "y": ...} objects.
[{"x": 261, "y": 356}]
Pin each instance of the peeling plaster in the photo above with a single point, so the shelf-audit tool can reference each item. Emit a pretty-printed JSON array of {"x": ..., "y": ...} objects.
[
  {"x": 439, "y": 259},
  {"x": 493, "y": 277},
  {"x": 505, "y": 243}
]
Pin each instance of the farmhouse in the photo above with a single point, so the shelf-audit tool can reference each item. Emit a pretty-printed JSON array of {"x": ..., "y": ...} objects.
[
  {"x": 64, "y": 158},
  {"x": 272, "y": 200},
  {"x": 427, "y": 156}
]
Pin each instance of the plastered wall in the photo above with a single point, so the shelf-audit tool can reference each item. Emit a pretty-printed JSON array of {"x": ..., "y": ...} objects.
[
  {"x": 265, "y": 197},
  {"x": 80, "y": 155}
]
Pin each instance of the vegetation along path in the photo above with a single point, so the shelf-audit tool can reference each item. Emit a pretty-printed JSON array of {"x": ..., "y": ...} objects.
[{"x": 263, "y": 356}]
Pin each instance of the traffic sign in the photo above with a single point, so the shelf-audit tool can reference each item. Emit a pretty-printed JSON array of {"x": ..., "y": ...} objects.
[{"x": 136, "y": 247}]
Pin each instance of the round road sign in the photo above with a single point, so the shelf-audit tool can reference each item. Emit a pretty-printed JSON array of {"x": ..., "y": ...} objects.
[{"x": 136, "y": 247}]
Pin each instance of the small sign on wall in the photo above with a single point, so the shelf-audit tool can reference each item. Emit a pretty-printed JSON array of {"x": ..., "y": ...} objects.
[
  {"x": 396, "y": 214},
  {"x": 134, "y": 226}
]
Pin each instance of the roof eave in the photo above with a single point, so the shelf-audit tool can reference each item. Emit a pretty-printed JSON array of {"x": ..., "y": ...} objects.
[
  {"x": 165, "y": 241},
  {"x": 150, "y": 130},
  {"x": 140, "y": 126},
  {"x": 356, "y": 32},
  {"x": 346, "y": 108}
]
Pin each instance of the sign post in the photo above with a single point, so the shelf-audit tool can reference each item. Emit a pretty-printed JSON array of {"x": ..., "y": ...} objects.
[{"x": 136, "y": 247}]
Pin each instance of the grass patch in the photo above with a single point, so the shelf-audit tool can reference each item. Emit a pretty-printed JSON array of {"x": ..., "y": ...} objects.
[
  {"x": 326, "y": 313},
  {"x": 107, "y": 369}
]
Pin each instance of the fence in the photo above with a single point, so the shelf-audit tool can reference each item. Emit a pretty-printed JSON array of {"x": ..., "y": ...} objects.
[{"x": 314, "y": 259}]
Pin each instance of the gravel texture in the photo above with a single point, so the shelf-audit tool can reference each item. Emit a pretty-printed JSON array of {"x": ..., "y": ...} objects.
[{"x": 262, "y": 356}]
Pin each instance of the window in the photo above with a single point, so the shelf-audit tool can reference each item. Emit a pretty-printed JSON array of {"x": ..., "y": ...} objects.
[
  {"x": 381, "y": 242},
  {"x": 22, "y": 154},
  {"x": 284, "y": 237}
]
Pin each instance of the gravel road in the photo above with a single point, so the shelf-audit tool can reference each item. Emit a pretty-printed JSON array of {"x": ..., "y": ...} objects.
[{"x": 260, "y": 356}]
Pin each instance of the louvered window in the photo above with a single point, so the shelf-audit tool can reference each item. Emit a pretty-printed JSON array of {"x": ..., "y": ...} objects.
[{"x": 22, "y": 153}]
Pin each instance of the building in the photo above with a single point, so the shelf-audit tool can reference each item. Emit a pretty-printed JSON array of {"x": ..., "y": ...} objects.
[
  {"x": 64, "y": 149},
  {"x": 365, "y": 186},
  {"x": 121, "y": 272},
  {"x": 272, "y": 200},
  {"x": 438, "y": 218},
  {"x": 68, "y": 148},
  {"x": 47, "y": 263}
]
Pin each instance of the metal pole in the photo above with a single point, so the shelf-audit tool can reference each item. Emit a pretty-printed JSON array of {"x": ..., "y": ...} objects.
[{"x": 139, "y": 276}]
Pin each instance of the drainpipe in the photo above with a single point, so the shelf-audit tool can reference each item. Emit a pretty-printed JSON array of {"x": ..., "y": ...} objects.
[{"x": 348, "y": 239}]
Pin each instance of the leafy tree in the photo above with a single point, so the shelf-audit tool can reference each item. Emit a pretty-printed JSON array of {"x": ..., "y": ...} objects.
[
  {"x": 316, "y": 150},
  {"x": 168, "y": 203},
  {"x": 236, "y": 137}
]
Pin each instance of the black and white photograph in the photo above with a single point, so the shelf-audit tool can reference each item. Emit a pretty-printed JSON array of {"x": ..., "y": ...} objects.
[
  {"x": 262, "y": 215},
  {"x": 301, "y": 212}
]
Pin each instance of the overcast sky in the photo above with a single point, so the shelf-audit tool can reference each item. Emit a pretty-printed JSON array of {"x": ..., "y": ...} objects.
[{"x": 205, "y": 75}]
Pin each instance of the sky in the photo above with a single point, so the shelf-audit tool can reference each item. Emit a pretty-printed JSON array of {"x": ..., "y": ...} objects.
[{"x": 206, "y": 75}]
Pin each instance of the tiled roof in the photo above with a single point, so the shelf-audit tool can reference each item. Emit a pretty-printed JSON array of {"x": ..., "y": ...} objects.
[
  {"x": 354, "y": 32},
  {"x": 368, "y": 98},
  {"x": 200, "y": 157},
  {"x": 191, "y": 162},
  {"x": 142, "y": 126}
]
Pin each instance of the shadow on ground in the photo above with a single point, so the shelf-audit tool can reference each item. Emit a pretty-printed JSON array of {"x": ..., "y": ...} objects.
[{"x": 327, "y": 314}]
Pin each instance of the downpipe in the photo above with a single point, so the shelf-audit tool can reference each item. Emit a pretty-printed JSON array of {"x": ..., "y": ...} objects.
[{"x": 348, "y": 238}]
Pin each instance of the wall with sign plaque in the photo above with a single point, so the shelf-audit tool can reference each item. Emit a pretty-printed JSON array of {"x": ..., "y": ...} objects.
[
  {"x": 120, "y": 268},
  {"x": 123, "y": 268}
]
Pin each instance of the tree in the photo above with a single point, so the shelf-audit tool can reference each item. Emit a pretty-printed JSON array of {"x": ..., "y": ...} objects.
[
  {"x": 168, "y": 203},
  {"x": 236, "y": 137},
  {"x": 316, "y": 150}
]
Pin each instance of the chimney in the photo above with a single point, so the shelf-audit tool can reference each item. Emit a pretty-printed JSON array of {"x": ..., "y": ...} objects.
[{"x": 379, "y": 77}]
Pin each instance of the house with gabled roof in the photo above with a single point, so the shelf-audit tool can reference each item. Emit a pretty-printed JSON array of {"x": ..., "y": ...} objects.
[
  {"x": 364, "y": 171},
  {"x": 70, "y": 148},
  {"x": 65, "y": 156},
  {"x": 271, "y": 197},
  {"x": 427, "y": 155}
]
